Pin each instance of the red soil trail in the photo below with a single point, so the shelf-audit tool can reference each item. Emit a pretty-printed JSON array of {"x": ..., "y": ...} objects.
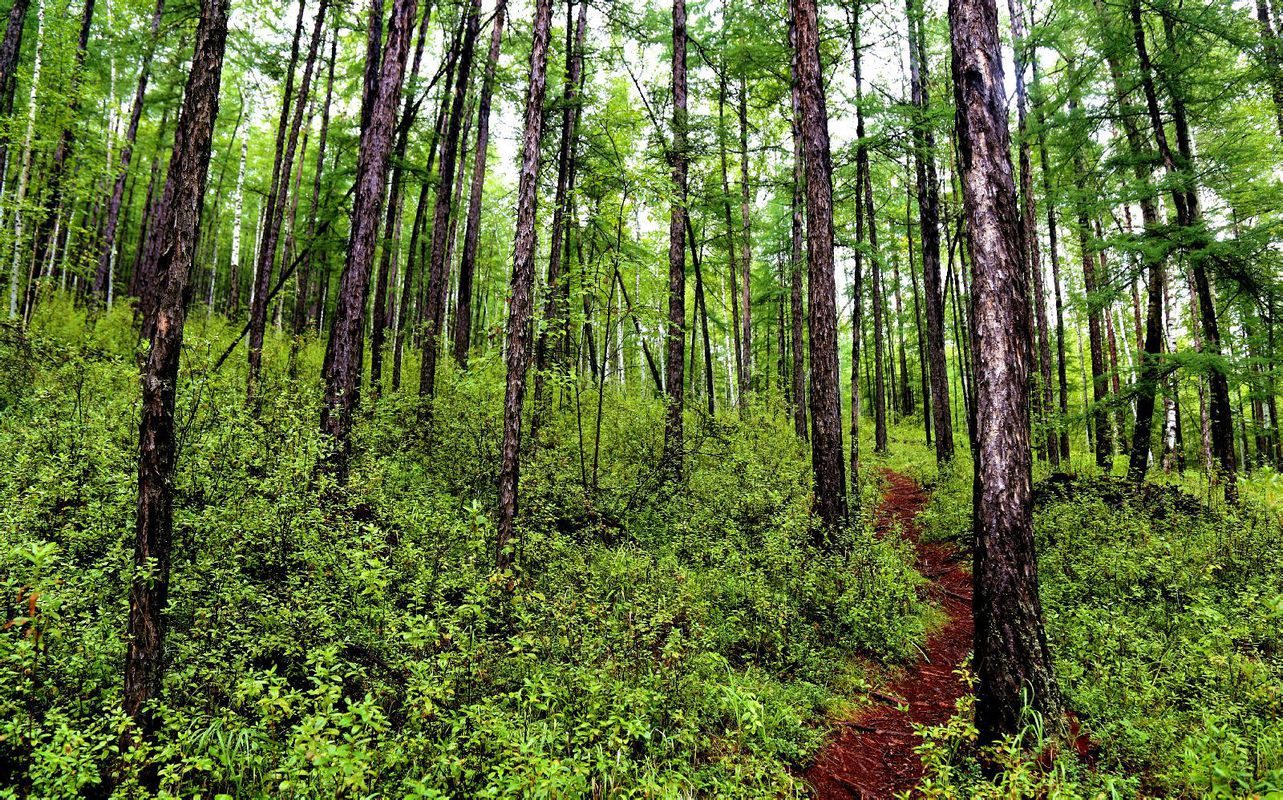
[{"x": 871, "y": 756}]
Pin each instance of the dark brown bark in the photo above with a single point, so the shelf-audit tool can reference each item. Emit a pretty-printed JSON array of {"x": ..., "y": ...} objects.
[
  {"x": 301, "y": 302},
  {"x": 10, "y": 49},
  {"x": 1273, "y": 60},
  {"x": 1029, "y": 236},
  {"x": 390, "y": 250},
  {"x": 929, "y": 222},
  {"x": 184, "y": 197},
  {"x": 112, "y": 220},
  {"x": 523, "y": 278},
  {"x": 827, "y": 460},
  {"x": 1012, "y": 662},
  {"x": 438, "y": 275},
  {"x": 342, "y": 367},
  {"x": 472, "y": 230},
  {"x": 675, "y": 362}
]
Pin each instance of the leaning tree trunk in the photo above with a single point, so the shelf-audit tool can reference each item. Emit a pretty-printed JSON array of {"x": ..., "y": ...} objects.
[
  {"x": 523, "y": 278},
  {"x": 673, "y": 445},
  {"x": 827, "y": 461},
  {"x": 472, "y": 230},
  {"x": 929, "y": 220},
  {"x": 184, "y": 196},
  {"x": 1012, "y": 662},
  {"x": 342, "y": 367}
]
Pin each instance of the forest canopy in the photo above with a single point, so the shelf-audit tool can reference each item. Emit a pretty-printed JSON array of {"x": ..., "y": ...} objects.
[{"x": 450, "y": 398}]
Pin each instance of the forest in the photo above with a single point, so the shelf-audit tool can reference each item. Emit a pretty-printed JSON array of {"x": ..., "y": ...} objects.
[{"x": 607, "y": 399}]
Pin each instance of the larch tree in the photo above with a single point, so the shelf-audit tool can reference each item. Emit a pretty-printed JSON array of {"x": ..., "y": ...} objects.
[
  {"x": 521, "y": 303},
  {"x": 827, "y": 455},
  {"x": 675, "y": 357},
  {"x": 183, "y": 199},
  {"x": 1012, "y": 662},
  {"x": 341, "y": 370}
]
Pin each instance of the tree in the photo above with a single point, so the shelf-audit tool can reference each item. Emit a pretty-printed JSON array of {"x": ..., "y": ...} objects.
[
  {"x": 1011, "y": 657},
  {"x": 676, "y": 358},
  {"x": 522, "y": 284},
  {"x": 826, "y": 394},
  {"x": 341, "y": 370},
  {"x": 182, "y": 201},
  {"x": 472, "y": 231},
  {"x": 929, "y": 221}
]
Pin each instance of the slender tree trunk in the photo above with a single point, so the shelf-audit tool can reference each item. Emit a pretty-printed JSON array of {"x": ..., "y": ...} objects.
[
  {"x": 827, "y": 460},
  {"x": 472, "y": 231},
  {"x": 673, "y": 442},
  {"x": 731, "y": 253},
  {"x": 929, "y": 219},
  {"x": 438, "y": 279},
  {"x": 157, "y": 447},
  {"x": 278, "y": 189},
  {"x": 342, "y": 367},
  {"x": 1013, "y": 664},
  {"x": 746, "y": 245},
  {"x": 1273, "y": 60},
  {"x": 523, "y": 278},
  {"x": 879, "y": 311},
  {"x": 857, "y": 290},
  {"x": 24, "y": 176},
  {"x": 556, "y": 303},
  {"x": 302, "y": 302}
]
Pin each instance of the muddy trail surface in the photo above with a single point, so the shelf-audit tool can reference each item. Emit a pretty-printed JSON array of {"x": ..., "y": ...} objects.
[{"x": 871, "y": 756}]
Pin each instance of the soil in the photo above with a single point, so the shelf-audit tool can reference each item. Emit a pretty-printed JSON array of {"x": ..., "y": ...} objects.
[{"x": 872, "y": 755}]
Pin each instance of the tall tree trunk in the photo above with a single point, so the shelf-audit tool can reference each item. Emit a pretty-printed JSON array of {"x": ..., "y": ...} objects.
[
  {"x": 746, "y": 245},
  {"x": 391, "y": 243},
  {"x": 879, "y": 311},
  {"x": 342, "y": 367},
  {"x": 674, "y": 363},
  {"x": 827, "y": 460},
  {"x": 523, "y": 278},
  {"x": 1189, "y": 216},
  {"x": 1029, "y": 230},
  {"x": 1273, "y": 59},
  {"x": 556, "y": 304},
  {"x": 732, "y": 257},
  {"x": 1013, "y": 664},
  {"x": 438, "y": 275},
  {"x": 278, "y": 188},
  {"x": 857, "y": 290},
  {"x": 929, "y": 219},
  {"x": 24, "y": 175},
  {"x": 472, "y": 231},
  {"x": 797, "y": 252},
  {"x": 183, "y": 199},
  {"x": 302, "y": 302}
]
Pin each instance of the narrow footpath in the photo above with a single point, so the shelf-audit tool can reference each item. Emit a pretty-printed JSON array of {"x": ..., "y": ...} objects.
[{"x": 871, "y": 756}]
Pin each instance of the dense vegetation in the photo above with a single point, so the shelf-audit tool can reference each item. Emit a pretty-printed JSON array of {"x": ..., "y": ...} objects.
[{"x": 454, "y": 399}]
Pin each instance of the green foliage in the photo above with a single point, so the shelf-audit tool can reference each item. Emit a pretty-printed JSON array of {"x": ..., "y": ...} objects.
[{"x": 356, "y": 641}]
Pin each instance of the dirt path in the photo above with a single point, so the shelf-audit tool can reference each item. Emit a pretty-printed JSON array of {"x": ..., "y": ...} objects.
[{"x": 871, "y": 756}]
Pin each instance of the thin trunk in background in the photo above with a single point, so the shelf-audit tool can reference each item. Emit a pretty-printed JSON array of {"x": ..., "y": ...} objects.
[{"x": 522, "y": 285}]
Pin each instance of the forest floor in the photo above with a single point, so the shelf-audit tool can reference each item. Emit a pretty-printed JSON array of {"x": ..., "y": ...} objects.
[{"x": 871, "y": 756}]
